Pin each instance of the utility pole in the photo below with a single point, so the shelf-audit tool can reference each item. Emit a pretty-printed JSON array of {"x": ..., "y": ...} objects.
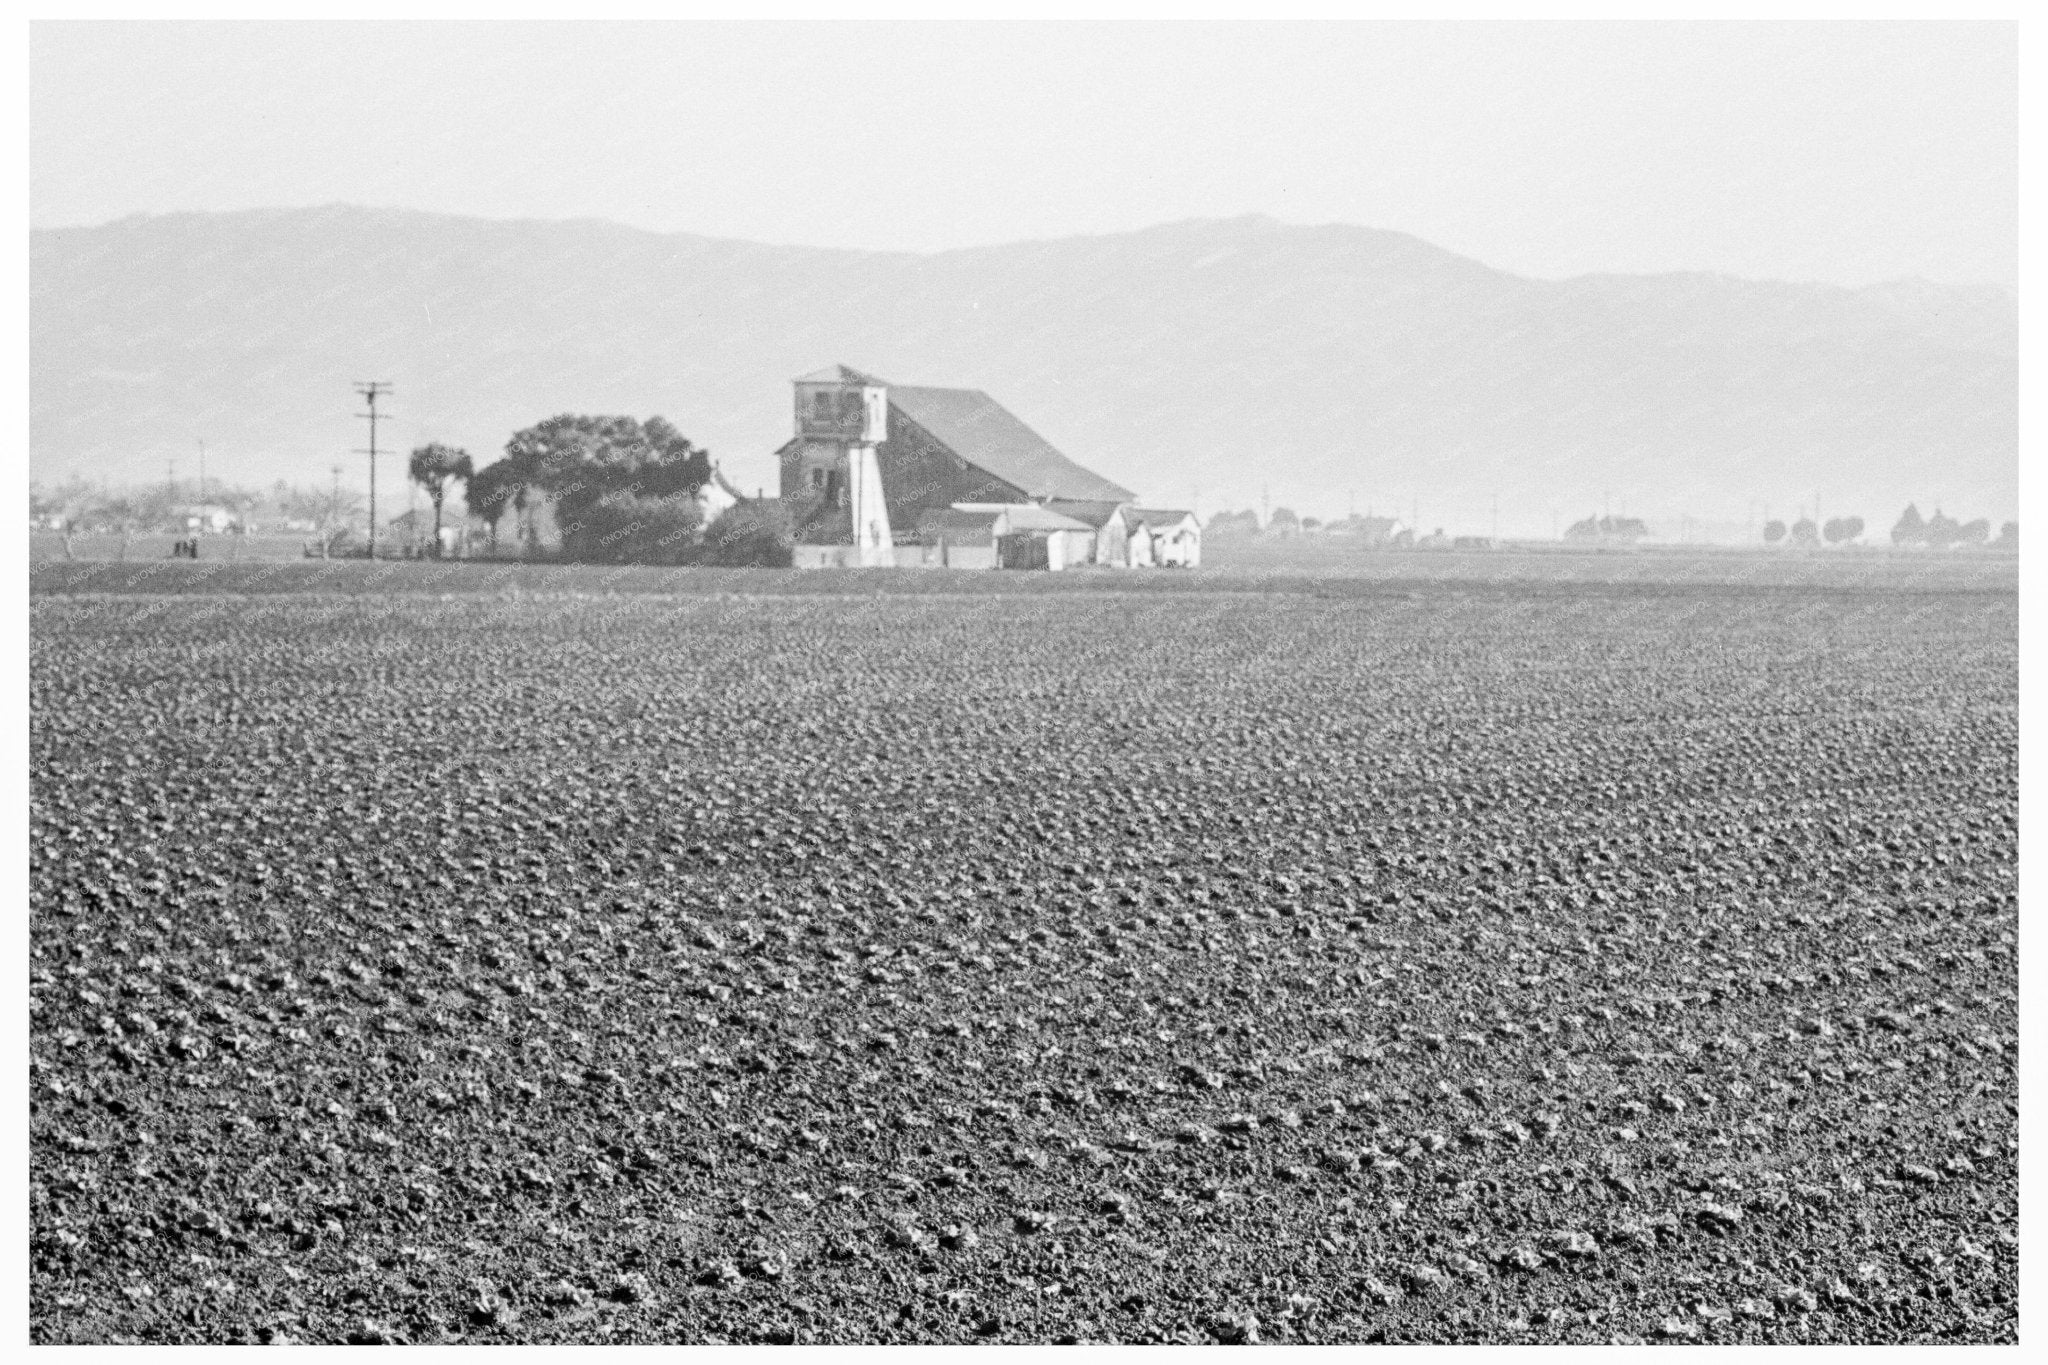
[
  {"x": 371, "y": 391},
  {"x": 202, "y": 479}
]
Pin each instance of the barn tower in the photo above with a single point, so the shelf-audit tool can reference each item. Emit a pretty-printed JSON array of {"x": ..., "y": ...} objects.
[{"x": 832, "y": 467}]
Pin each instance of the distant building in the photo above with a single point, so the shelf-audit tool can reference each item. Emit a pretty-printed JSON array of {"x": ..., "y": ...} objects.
[
  {"x": 1245, "y": 523},
  {"x": 412, "y": 533},
  {"x": 1376, "y": 533},
  {"x": 1607, "y": 531},
  {"x": 1020, "y": 535},
  {"x": 887, "y": 474},
  {"x": 1111, "y": 524},
  {"x": 210, "y": 518},
  {"x": 1164, "y": 538}
]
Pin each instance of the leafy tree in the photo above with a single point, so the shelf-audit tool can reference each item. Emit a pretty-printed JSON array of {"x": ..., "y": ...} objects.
[
  {"x": 1804, "y": 532},
  {"x": 489, "y": 491},
  {"x": 625, "y": 528},
  {"x": 1975, "y": 532},
  {"x": 238, "y": 500},
  {"x": 1942, "y": 531},
  {"x": 1840, "y": 529},
  {"x": 326, "y": 507},
  {"x": 1910, "y": 529},
  {"x": 1244, "y": 523},
  {"x": 432, "y": 467},
  {"x": 757, "y": 532},
  {"x": 578, "y": 462},
  {"x": 1774, "y": 531},
  {"x": 67, "y": 500},
  {"x": 1283, "y": 522},
  {"x": 2008, "y": 536}
]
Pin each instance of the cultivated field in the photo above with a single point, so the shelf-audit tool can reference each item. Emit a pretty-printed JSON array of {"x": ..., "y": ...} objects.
[
  {"x": 951, "y": 957},
  {"x": 1235, "y": 567}
]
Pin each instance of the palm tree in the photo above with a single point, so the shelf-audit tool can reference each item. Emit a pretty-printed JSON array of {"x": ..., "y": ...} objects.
[
  {"x": 431, "y": 468},
  {"x": 489, "y": 492}
]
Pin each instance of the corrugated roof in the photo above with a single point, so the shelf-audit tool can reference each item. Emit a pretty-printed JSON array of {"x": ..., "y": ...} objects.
[
  {"x": 987, "y": 435},
  {"x": 1156, "y": 516}
]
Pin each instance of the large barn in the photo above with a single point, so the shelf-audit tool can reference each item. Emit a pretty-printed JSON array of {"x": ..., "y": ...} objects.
[{"x": 890, "y": 474}]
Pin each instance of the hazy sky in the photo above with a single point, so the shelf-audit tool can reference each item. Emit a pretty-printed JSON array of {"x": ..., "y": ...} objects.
[{"x": 1839, "y": 152}]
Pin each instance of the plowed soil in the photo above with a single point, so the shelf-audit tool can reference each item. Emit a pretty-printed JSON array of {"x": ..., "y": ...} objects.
[{"x": 1433, "y": 965}]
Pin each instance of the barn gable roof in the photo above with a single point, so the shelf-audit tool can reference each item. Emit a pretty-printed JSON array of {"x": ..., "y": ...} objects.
[
  {"x": 987, "y": 435},
  {"x": 838, "y": 374},
  {"x": 1157, "y": 517}
]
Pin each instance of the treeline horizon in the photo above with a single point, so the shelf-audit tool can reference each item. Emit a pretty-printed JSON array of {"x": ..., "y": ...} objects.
[
  {"x": 624, "y": 491},
  {"x": 1939, "y": 531}
]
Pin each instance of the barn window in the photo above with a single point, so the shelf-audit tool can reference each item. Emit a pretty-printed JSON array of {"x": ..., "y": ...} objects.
[{"x": 817, "y": 478}]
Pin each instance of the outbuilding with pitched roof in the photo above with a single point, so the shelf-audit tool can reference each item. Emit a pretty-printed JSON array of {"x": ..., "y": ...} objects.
[{"x": 1166, "y": 538}]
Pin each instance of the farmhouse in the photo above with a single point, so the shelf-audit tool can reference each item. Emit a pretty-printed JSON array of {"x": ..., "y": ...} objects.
[{"x": 889, "y": 474}]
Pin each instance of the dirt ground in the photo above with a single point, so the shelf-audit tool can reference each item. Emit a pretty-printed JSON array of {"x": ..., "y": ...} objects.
[{"x": 1229, "y": 960}]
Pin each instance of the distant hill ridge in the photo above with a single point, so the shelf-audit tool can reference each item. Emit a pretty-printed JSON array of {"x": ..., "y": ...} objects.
[{"x": 1219, "y": 357}]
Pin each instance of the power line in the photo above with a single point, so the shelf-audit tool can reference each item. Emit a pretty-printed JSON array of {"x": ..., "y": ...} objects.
[{"x": 371, "y": 391}]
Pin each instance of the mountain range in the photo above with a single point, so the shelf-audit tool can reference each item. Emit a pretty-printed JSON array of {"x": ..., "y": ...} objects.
[{"x": 1211, "y": 361}]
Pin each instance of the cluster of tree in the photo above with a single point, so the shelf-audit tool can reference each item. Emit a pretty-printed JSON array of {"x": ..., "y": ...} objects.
[
  {"x": 79, "y": 505},
  {"x": 1941, "y": 531},
  {"x": 1803, "y": 531},
  {"x": 757, "y": 532},
  {"x": 1938, "y": 531},
  {"x": 620, "y": 491},
  {"x": 1283, "y": 522}
]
